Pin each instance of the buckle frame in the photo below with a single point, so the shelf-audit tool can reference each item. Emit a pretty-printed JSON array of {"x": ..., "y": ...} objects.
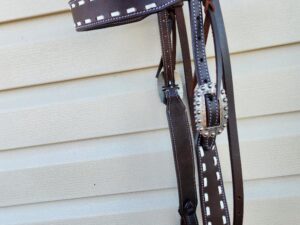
[{"x": 200, "y": 110}]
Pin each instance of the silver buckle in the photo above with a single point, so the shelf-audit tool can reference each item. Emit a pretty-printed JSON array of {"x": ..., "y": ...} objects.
[{"x": 200, "y": 110}]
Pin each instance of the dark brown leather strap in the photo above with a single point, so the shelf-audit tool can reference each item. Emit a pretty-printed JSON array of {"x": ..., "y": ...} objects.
[
  {"x": 188, "y": 74},
  {"x": 179, "y": 126},
  {"x": 236, "y": 168},
  {"x": 213, "y": 200},
  {"x": 96, "y": 14},
  {"x": 212, "y": 197},
  {"x": 167, "y": 50},
  {"x": 183, "y": 155}
]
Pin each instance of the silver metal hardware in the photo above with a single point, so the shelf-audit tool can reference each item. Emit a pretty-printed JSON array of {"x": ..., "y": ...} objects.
[
  {"x": 200, "y": 110},
  {"x": 161, "y": 84}
]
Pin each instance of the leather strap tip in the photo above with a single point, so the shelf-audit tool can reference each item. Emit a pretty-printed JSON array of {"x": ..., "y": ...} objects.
[{"x": 208, "y": 5}]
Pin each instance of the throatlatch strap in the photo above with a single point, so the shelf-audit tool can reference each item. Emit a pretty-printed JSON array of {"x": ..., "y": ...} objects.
[{"x": 179, "y": 129}]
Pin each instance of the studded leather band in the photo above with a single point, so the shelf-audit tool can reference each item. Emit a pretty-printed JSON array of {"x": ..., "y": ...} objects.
[{"x": 217, "y": 108}]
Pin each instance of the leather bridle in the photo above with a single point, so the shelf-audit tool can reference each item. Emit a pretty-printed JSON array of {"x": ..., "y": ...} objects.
[{"x": 210, "y": 105}]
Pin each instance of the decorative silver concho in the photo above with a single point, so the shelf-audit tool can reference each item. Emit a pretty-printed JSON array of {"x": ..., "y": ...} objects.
[{"x": 200, "y": 110}]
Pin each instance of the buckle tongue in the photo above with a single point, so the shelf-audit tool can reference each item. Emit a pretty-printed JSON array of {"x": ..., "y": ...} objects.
[{"x": 201, "y": 112}]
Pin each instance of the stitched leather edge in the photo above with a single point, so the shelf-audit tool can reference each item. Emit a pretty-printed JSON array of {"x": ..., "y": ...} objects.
[{"x": 125, "y": 18}]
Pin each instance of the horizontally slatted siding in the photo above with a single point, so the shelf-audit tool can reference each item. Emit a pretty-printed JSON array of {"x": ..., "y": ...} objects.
[{"x": 83, "y": 135}]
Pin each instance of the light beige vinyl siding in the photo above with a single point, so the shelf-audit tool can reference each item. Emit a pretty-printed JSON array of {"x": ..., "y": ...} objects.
[{"x": 83, "y": 135}]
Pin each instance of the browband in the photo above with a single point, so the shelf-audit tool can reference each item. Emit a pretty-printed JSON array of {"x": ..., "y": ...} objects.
[
  {"x": 211, "y": 105},
  {"x": 95, "y": 14}
]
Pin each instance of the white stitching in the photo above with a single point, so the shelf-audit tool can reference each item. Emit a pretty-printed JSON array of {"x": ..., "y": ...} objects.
[
  {"x": 202, "y": 41},
  {"x": 217, "y": 109},
  {"x": 206, "y": 197},
  {"x": 221, "y": 186},
  {"x": 130, "y": 15},
  {"x": 222, "y": 204},
  {"x": 208, "y": 211},
  {"x": 218, "y": 175},
  {"x": 224, "y": 220},
  {"x": 215, "y": 161},
  {"x": 203, "y": 182},
  {"x": 174, "y": 144},
  {"x": 195, "y": 36},
  {"x": 100, "y": 17},
  {"x": 115, "y": 13},
  {"x": 150, "y": 6},
  {"x": 209, "y": 119},
  {"x": 81, "y": 2},
  {"x": 169, "y": 45},
  {"x": 220, "y": 190},
  {"x": 87, "y": 21},
  {"x": 161, "y": 18},
  {"x": 190, "y": 140},
  {"x": 174, "y": 139},
  {"x": 201, "y": 151},
  {"x": 131, "y": 10}
]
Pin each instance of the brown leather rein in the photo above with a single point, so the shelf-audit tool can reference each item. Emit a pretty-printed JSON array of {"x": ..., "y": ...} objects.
[{"x": 211, "y": 106}]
